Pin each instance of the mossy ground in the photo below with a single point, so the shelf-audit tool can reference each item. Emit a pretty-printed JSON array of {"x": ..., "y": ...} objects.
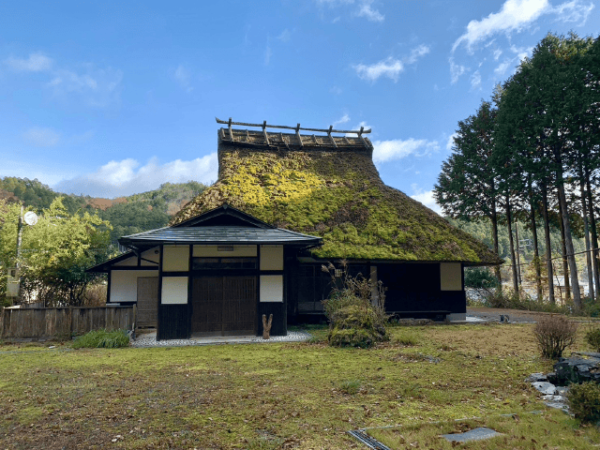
[
  {"x": 274, "y": 395},
  {"x": 337, "y": 196}
]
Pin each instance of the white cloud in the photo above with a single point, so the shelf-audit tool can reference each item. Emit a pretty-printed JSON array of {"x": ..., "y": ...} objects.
[
  {"x": 41, "y": 137},
  {"x": 268, "y": 54},
  {"x": 517, "y": 15},
  {"x": 456, "y": 70},
  {"x": 336, "y": 90},
  {"x": 97, "y": 87},
  {"x": 361, "y": 8},
  {"x": 497, "y": 54},
  {"x": 344, "y": 119},
  {"x": 476, "y": 80},
  {"x": 574, "y": 11},
  {"x": 183, "y": 77},
  {"x": 450, "y": 142},
  {"x": 513, "y": 16},
  {"x": 285, "y": 35},
  {"x": 389, "y": 67},
  {"x": 397, "y": 149},
  {"x": 416, "y": 53},
  {"x": 126, "y": 177},
  {"x": 37, "y": 62},
  {"x": 365, "y": 10},
  {"x": 426, "y": 198}
]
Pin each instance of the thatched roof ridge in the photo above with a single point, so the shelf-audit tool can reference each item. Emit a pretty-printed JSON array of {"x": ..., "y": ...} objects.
[{"x": 334, "y": 192}]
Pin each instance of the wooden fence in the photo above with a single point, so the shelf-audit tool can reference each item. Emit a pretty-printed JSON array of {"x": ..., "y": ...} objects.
[{"x": 62, "y": 323}]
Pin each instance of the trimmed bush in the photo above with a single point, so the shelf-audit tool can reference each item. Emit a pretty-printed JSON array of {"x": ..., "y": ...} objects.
[
  {"x": 584, "y": 401},
  {"x": 554, "y": 335},
  {"x": 593, "y": 338},
  {"x": 356, "y": 316},
  {"x": 102, "y": 339}
]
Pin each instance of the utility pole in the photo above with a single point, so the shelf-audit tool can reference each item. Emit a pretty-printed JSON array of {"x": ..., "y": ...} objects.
[
  {"x": 18, "y": 262},
  {"x": 518, "y": 253}
]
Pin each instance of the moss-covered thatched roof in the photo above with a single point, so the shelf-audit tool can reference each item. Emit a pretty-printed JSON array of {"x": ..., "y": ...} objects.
[{"x": 332, "y": 190}]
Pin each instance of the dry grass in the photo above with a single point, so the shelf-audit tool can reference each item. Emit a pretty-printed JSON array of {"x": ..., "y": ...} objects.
[{"x": 266, "y": 396}]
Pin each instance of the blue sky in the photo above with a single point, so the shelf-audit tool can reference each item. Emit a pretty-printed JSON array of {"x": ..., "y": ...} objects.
[{"x": 112, "y": 98}]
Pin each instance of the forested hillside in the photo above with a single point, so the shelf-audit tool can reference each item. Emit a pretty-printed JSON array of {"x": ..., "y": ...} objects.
[{"x": 127, "y": 215}]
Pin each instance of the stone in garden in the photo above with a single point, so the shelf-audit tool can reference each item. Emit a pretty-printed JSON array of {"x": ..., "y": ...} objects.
[
  {"x": 538, "y": 376},
  {"x": 478, "y": 434},
  {"x": 544, "y": 387},
  {"x": 577, "y": 370}
]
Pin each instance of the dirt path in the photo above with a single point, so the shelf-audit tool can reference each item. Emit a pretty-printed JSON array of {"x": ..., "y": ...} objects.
[{"x": 515, "y": 315}]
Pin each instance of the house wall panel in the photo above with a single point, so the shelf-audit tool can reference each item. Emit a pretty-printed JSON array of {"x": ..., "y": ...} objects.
[
  {"x": 271, "y": 257},
  {"x": 174, "y": 290},
  {"x": 129, "y": 262},
  {"x": 271, "y": 288},
  {"x": 451, "y": 277},
  {"x": 212, "y": 251},
  {"x": 151, "y": 255},
  {"x": 176, "y": 258},
  {"x": 123, "y": 284}
]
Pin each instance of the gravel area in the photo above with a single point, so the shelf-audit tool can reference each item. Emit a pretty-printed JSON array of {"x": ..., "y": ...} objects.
[
  {"x": 149, "y": 340},
  {"x": 493, "y": 314}
]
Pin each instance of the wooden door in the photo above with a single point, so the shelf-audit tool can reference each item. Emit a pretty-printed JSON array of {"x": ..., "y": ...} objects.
[
  {"x": 239, "y": 304},
  {"x": 147, "y": 302},
  {"x": 224, "y": 305}
]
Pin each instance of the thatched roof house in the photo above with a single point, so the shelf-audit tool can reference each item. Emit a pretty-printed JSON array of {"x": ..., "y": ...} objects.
[{"x": 284, "y": 204}]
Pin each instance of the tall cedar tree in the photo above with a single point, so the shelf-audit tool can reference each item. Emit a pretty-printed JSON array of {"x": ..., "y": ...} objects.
[{"x": 467, "y": 186}]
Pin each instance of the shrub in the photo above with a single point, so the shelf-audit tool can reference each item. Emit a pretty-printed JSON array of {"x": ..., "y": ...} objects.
[
  {"x": 593, "y": 338},
  {"x": 356, "y": 317},
  {"x": 102, "y": 339},
  {"x": 584, "y": 401},
  {"x": 407, "y": 339},
  {"x": 554, "y": 334},
  {"x": 350, "y": 387}
]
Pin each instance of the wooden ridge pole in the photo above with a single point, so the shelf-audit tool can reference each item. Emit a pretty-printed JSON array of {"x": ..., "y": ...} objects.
[{"x": 297, "y": 128}]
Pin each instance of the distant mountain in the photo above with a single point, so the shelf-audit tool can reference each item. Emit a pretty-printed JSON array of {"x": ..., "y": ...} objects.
[{"x": 127, "y": 215}]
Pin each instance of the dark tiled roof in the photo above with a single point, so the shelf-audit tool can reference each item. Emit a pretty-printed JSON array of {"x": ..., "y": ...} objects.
[{"x": 220, "y": 235}]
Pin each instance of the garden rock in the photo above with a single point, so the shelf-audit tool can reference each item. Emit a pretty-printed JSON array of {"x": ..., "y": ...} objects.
[
  {"x": 577, "y": 370},
  {"x": 478, "y": 434},
  {"x": 544, "y": 387},
  {"x": 536, "y": 377}
]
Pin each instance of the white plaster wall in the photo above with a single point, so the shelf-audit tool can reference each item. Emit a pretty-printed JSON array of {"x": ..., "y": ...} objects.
[
  {"x": 271, "y": 288},
  {"x": 123, "y": 284},
  {"x": 174, "y": 291},
  {"x": 129, "y": 262},
  {"x": 212, "y": 251},
  {"x": 271, "y": 257},
  {"x": 450, "y": 277},
  {"x": 153, "y": 255},
  {"x": 176, "y": 258}
]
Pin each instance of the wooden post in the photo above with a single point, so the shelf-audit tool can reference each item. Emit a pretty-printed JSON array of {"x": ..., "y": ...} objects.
[
  {"x": 230, "y": 132},
  {"x": 298, "y": 135},
  {"x": 331, "y": 137},
  {"x": 267, "y": 326},
  {"x": 264, "y": 127}
]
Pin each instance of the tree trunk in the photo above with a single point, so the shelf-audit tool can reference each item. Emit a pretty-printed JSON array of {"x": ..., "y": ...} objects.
[
  {"x": 565, "y": 264},
  {"x": 569, "y": 241},
  {"x": 588, "y": 255},
  {"x": 512, "y": 248},
  {"x": 496, "y": 245},
  {"x": 548, "y": 245},
  {"x": 536, "y": 253},
  {"x": 594, "y": 243}
]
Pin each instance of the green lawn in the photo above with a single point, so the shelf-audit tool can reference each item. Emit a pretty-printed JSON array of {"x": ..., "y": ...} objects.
[{"x": 278, "y": 395}]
